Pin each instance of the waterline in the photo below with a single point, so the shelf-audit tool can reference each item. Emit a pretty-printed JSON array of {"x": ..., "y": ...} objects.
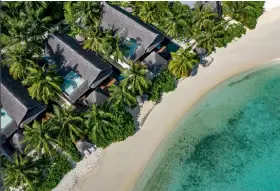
[{"x": 224, "y": 140}]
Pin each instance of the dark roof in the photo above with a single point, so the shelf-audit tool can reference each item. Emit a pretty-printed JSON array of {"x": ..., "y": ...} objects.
[
  {"x": 66, "y": 50},
  {"x": 97, "y": 96},
  {"x": 127, "y": 25},
  {"x": 83, "y": 145},
  {"x": 16, "y": 101},
  {"x": 17, "y": 142},
  {"x": 155, "y": 62},
  {"x": 215, "y": 6},
  {"x": 191, "y": 4}
]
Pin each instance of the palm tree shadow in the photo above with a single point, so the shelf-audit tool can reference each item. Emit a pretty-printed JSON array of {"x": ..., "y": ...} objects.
[{"x": 56, "y": 55}]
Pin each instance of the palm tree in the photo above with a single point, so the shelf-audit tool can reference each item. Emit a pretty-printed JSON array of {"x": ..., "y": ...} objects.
[
  {"x": 244, "y": 12},
  {"x": 119, "y": 96},
  {"x": 115, "y": 47},
  {"x": 18, "y": 58},
  {"x": 22, "y": 172},
  {"x": 135, "y": 79},
  {"x": 86, "y": 12},
  {"x": 176, "y": 23},
  {"x": 67, "y": 123},
  {"x": 210, "y": 38},
  {"x": 101, "y": 126},
  {"x": 202, "y": 16},
  {"x": 30, "y": 6},
  {"x": 37, "y": 24},
  {"x": 151, "y": 12},
  {"x": 97, "y": 40},
  {"x": 39, "y": 138},
  {"x": 44, "y": 83},
  {"x": 182, "y": 63}
]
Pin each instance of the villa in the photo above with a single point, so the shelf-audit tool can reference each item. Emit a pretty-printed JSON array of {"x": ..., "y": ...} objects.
[
  {"x": 82, "y": 70},
  {"x": 139, "y": 37},
  {"x": 17, "y": 109}
]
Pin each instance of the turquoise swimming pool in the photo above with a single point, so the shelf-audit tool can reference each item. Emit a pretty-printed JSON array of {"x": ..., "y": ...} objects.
[
  {"x": 71, "y": 81},
  {"x": 5, "y": 119},
  {"x": 130, "y": 47}
]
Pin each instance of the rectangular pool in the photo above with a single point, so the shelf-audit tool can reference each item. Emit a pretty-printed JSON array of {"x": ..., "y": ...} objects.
[
  {"x": 5, "y": 119},
  {"x": 130, "y": 47},
  {"x": 71, "y": 81}
]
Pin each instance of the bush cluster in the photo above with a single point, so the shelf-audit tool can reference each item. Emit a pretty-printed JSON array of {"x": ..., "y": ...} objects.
[
  {"x": 164, "y": 82},
  {"x": 54, "y": 173}
]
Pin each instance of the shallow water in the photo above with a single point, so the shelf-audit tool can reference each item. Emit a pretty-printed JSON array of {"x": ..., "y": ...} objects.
[{"x": 230, "y": 140}]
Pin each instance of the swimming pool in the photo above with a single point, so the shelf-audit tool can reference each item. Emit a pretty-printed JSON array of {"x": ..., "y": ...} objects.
[
  {"x": 71, "y": 81},
  {"x": 130, "y": 47},
  {"x": 5, "y": 119}
]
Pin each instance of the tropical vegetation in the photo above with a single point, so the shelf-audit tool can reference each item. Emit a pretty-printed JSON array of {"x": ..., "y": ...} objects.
[
  {"x": 44, "y": 83},
  {"x": 38, "y": 137},
  {"x": 135, "y": 79},
  {"x": 23, "y": 31},
  {"x": 21, "y": 172},
  {"x": 245, "y": 12},
  {"x": 182, "y": 63},
  {"x": 120, "y": 96},
  {"x": 164, "y": 82}
]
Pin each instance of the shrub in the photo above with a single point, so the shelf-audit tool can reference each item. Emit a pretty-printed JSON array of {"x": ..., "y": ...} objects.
[
  {"x": 164, "y": 82},
  {"x": 233, "y": 31},
  {"x": 54, "y": 173},
  {"x": 71, "y": 149},
  {"x": 125, "y": 122},
  {"x": 121, "y": 127}
]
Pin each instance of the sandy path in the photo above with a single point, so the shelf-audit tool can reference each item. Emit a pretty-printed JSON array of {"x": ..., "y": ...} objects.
[{"x": 124, "y": 162}]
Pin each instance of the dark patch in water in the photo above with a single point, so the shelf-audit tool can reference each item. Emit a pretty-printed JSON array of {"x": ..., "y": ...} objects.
[{"x": 248, "y": 77}]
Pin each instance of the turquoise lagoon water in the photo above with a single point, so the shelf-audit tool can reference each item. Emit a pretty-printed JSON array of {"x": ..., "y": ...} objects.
[{"x": 229, "y": 141}]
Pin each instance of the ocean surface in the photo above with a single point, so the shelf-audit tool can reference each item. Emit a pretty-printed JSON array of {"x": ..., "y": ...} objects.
[{"x": 228, "y": 141}]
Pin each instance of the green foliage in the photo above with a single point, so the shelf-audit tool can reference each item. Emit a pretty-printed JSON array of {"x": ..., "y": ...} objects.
[
  {"x": 44, "y": 83},
  {"x": 70, "y": 148},
  {"x": 233, "y": 31},
  {"x": 68, "y": 124},
  {"x": 152, "y": 11},
  {"x": 177, "y": 21},
  {"x": 119, "y": 96},
  {"x": 211, "y": 37},
  {"x": 182, "y": 63},
  {"x": 21, "y": 172},
  {"x": 246, "y": 12},
  {"x": 38, "y": 137},
  {"x": 18, "y": 58},
  {"x": 124, "y": 120},
  {"x": 202, "y": 17},
  {"x": 101, "y": 125},
  {"x": 164, "y": 82},
  {"x": 135, "y": 79},
  {"x": 54, "y": 173}
]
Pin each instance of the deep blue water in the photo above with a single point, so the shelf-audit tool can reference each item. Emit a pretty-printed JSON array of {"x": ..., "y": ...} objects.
[{"x": 229, "y": 141}]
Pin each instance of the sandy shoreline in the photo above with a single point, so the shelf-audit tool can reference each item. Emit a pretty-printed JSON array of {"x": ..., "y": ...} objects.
[{"x": 124, "y": 162}]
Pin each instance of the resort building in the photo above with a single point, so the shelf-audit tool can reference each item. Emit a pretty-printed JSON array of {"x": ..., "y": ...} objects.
[
  {"x": 82, "y": 70},
  {"x": 17, "y": 109},
  {"x": 155, "y": 63},
  {"x": 138, "y": 37},
  {"x": 215, "y": 6}
]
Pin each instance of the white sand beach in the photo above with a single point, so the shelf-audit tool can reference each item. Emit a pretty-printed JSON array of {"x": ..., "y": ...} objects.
[{"x": 123, "y": 163}]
